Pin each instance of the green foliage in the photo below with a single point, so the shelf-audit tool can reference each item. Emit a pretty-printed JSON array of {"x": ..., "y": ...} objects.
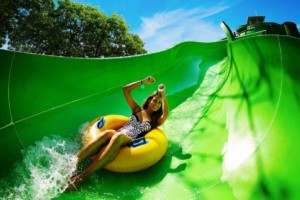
[
  {"x": 7, "y": 10},
  {"x": 67, "y": 29}
]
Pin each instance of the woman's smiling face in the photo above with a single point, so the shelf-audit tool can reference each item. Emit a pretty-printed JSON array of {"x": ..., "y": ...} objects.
[{"x": 155, "y": 103}]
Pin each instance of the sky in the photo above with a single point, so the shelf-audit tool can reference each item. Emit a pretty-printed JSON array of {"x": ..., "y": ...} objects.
[{"x": 162, "y": 24}]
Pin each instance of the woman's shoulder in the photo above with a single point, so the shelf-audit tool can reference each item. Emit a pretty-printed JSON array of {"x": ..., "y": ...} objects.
[{"x": 137, "y": 109}]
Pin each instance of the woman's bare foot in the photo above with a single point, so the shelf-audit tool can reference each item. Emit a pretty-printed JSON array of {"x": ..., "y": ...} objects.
[{"x": 74, "y": 183}]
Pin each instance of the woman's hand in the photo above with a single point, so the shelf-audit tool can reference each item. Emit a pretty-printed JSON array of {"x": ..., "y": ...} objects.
[
  {"x": 148, "y": 80},
  {"x": 161, "y": 89}
]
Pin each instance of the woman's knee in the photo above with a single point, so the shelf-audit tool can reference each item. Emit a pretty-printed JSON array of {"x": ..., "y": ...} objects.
[
  {"x": 120, "y": 139},
  {"x": 107, "y": 134}
]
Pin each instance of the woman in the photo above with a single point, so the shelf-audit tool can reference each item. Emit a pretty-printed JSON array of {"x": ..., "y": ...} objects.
[{"x": 153, "y": 113}]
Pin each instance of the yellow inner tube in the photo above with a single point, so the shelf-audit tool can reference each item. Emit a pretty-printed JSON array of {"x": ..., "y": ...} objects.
[{"x": 135, "y": 157}]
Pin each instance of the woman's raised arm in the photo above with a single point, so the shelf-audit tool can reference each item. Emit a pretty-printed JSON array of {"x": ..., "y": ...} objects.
[
  {"x": 128, "y": 88},
  {"x": 164, "y": 104}
]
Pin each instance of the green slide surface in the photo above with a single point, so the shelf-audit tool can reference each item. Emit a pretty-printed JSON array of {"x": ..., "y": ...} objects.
[{"x": 233, "y": 128}]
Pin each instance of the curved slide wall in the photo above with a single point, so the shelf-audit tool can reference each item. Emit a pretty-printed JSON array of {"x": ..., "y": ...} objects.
[{"x": 233, "y": 127}]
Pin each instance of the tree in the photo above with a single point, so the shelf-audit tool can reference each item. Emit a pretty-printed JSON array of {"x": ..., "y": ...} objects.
[
  {"x": 32, "y": 26},
  {"x": 121, "y": 41},
  {"x": 71, "y": 29},
  {"x": 7, "y": 10}
]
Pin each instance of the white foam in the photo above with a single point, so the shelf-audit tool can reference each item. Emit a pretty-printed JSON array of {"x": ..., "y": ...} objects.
[{"x": 44, "y": 172}]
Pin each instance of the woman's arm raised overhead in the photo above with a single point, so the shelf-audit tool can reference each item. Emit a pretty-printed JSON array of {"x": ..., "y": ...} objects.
[
  {"x": 165, "y": 108},
  {"x": 128, "y": 88}
]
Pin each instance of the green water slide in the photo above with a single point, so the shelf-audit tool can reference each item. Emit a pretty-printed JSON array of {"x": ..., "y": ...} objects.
[{"x": 233, "y": 128}]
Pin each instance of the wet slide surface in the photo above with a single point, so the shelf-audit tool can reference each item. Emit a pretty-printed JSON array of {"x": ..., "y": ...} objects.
[{"x": 233, "y": 127}]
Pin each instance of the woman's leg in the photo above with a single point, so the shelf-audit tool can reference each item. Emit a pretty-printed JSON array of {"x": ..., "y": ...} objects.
[
  {"x": 95, "y": 145},
  {"x": 106, "y": 156}
]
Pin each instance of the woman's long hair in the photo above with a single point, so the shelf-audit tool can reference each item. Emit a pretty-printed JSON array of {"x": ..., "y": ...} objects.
[{"x": 155, "y": 115}]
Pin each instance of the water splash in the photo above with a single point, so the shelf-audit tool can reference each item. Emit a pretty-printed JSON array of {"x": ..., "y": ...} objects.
[{"x": 44, "y": 172}]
